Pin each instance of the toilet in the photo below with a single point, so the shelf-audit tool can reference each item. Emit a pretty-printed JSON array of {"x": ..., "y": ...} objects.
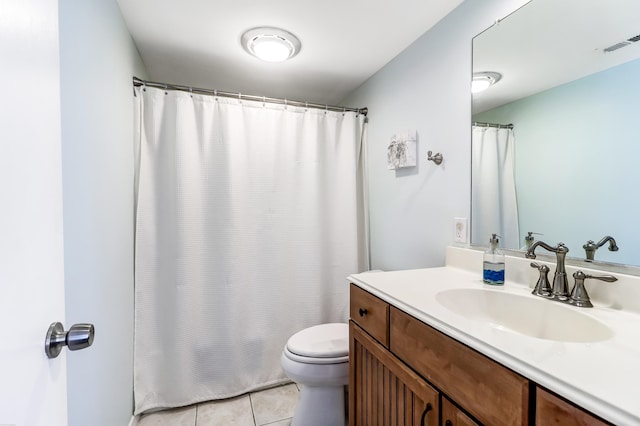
[{"x": 317, "y": 359}]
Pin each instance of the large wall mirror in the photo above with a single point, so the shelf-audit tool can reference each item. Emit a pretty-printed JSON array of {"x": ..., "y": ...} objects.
[{"x": 569, "y": 168}]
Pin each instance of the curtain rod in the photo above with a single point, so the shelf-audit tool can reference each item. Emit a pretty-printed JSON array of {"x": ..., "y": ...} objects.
[
  {"x": 139, "y": 82},
  {"x": 499, "y": 126}
]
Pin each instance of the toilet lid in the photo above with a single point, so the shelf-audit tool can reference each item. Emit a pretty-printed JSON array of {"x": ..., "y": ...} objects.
[{"x": 321, "y": 341}]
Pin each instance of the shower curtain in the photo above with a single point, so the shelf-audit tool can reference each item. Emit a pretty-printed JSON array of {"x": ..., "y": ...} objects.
[
  {"x": 494, "y": 207},
  {"x": 249, "y": 218}
]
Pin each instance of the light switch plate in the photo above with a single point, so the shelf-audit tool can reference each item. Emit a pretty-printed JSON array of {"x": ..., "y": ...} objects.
[{"x": 460, "y": 230}]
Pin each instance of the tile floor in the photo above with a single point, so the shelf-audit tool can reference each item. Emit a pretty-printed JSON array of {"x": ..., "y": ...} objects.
[{"x": 273, "y": 407}]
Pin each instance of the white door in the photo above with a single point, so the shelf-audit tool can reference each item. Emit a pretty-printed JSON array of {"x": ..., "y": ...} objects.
[{"x": 32, "y": 387}]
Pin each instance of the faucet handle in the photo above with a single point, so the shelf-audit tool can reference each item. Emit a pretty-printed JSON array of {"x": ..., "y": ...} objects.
[
  {"x": 579, "y": 296},
  {"x": 543, "y": 287}
]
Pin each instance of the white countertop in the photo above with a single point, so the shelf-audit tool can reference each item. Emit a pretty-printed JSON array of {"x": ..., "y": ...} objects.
[{"x": 603, "y": 377}]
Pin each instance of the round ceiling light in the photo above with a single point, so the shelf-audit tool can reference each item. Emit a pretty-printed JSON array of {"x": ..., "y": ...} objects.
[
  {"x": 483, "y": 80},
  {"x": 270, "y": 44}
]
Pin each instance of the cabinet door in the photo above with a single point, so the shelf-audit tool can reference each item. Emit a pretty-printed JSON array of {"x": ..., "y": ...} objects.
[
  {"x": 552, "y": 410},
  {"x": 384, "y": 391},
  {"x": 453, "y": 416}
]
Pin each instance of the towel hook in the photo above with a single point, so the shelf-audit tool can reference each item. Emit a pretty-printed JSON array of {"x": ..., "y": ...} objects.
[{"x": 437, "y": 158}]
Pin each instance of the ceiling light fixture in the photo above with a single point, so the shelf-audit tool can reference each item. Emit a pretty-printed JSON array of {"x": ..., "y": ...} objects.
[
  {"x": 270, "y": 44},
  {"x": 483, "y": 80}
]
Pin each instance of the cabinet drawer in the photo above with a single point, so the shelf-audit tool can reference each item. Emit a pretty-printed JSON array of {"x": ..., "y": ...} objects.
[
  {"x": 490, "y": 392},
  {"x": 370, "y": 313},
  {"x": 552, "y": 410}
]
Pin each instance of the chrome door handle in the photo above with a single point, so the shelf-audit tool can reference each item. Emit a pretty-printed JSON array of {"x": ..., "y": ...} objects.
[{"x": 78, "y": 337}]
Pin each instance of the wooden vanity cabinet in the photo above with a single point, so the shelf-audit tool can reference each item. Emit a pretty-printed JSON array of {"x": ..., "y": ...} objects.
[{"x": 402, "y": 372}]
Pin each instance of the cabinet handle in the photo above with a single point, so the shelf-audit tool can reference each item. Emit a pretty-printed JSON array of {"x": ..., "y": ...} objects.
[
  {"x": 362, "y": 312},
  {"x": 424, "y": 414},
  {"x": 448, "y": 423}
]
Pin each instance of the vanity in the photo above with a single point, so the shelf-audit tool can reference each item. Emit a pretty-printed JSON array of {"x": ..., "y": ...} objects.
[{"x": 438, "y": 346}]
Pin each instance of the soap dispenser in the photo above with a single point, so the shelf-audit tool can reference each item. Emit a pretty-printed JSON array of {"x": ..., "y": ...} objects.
[{"x": 493, "y": 263}]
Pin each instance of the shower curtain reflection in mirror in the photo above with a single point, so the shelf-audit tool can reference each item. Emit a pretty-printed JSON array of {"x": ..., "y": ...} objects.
[
  {"x": 494, "y": 207},
  {"x": 249, "y": 217}
]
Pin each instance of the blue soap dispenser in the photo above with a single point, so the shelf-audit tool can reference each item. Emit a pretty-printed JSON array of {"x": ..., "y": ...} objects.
[{"x": 493, "y": 263}]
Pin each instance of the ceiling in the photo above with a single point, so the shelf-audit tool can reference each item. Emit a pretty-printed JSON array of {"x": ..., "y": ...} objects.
[
  {"x": 197, "y": 42},
  {"x": 547, "y": 43}
]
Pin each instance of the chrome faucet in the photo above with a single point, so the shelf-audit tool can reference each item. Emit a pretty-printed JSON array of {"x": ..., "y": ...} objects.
[
  {"x": 590, "y": 247},
  {"x": 560, "y": 289}
]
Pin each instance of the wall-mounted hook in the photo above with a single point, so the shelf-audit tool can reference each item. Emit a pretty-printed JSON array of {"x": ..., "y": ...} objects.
[{"x": 437, "y": 158}]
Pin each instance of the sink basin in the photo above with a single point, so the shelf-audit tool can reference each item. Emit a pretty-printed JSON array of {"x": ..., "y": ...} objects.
[{"x": 530, "y": 316}]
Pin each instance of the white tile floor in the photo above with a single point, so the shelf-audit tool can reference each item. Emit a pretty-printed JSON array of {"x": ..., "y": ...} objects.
[{"x": 273, "y": 407}]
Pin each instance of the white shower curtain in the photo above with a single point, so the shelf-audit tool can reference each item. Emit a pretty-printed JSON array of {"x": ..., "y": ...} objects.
[
  {"x": 494, "y": 207},
  {"x": 249, "y": 217}
]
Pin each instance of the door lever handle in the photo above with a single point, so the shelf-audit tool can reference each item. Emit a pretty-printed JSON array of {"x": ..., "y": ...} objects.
[{"x": 78, "y": 337}]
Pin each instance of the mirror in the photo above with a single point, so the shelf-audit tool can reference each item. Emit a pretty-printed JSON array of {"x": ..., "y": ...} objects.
[{"x": 570, "y": 87}]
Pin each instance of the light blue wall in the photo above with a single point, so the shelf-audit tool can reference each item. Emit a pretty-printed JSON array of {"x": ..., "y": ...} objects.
[
  {"x": 426, "y": 88},
  {"x": 577, "y": 152},
  {"x": 97, "y": 62}
]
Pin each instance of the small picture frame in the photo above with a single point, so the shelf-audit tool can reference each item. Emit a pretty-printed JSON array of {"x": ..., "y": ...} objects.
[{"x": 401, "y": 151}]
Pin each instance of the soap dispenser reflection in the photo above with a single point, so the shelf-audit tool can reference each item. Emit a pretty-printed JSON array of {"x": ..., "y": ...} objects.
[
  {"x": 529, "y": 239},
  {"x": 493, "y": 263}
]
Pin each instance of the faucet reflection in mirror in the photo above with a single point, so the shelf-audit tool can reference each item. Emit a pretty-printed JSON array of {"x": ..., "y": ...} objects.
[
  {"x": 590, "y": 247},
  {"x": 572, "y": 105}
]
